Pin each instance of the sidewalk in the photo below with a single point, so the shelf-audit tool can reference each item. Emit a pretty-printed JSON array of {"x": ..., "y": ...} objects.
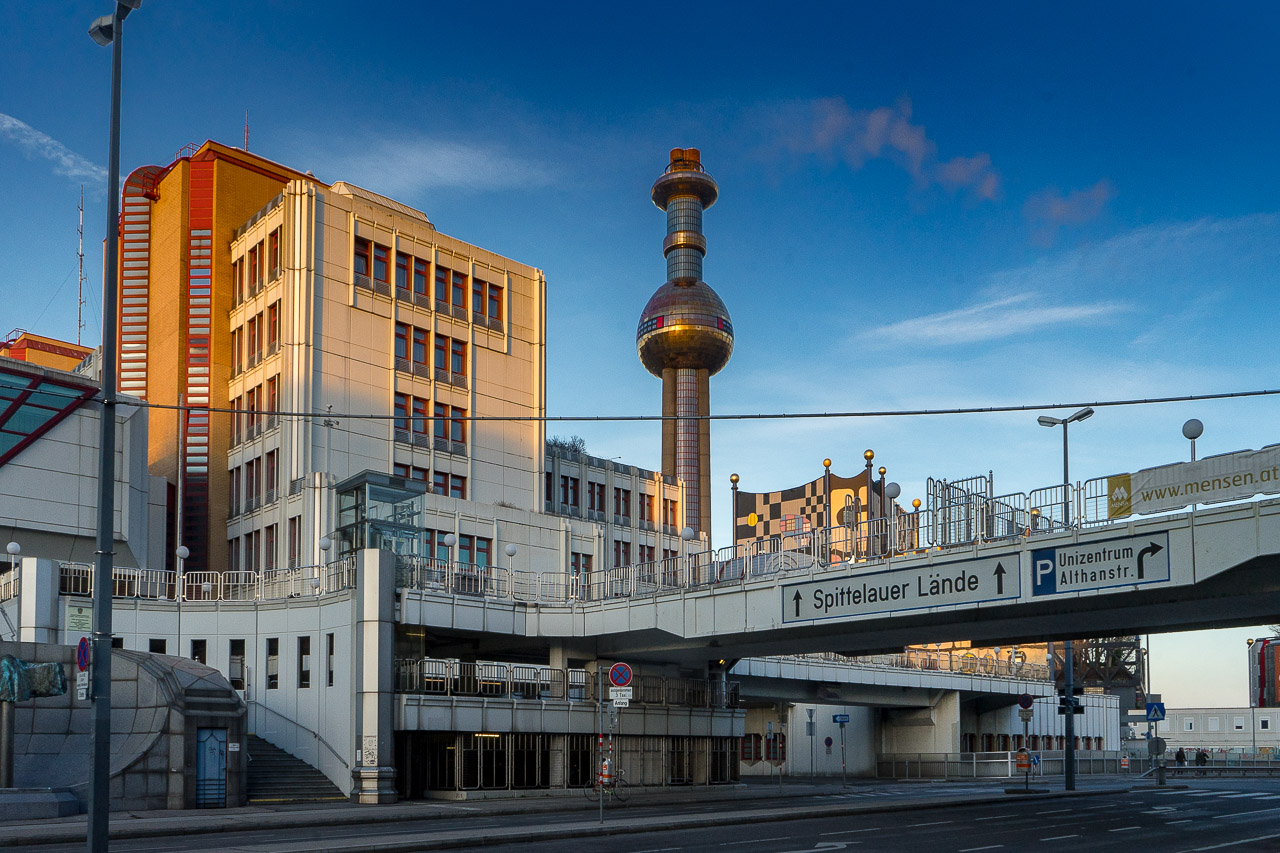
[{"x": 143, "y": 824}]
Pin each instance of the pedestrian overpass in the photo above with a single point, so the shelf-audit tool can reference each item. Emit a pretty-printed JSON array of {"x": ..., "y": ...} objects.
[{"x": 858, "y": 591}]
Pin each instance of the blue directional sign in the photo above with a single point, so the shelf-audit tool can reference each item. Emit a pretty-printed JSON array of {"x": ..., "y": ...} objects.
[
  {"x": 840, "y": 718},
  {"x": 1035, "y": 760},
  {"x": 1086, "y": 566},
  {"x": 1155, "y": 712}
]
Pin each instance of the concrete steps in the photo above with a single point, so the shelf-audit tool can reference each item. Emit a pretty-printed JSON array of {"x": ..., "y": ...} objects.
[{"x": 275, "y": 776}]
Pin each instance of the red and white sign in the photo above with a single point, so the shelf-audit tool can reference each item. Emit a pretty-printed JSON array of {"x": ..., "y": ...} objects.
[{"x": 620, "y": 675}]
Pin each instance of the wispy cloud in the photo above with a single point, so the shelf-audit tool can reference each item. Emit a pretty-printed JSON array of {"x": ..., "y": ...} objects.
[
  {"x": 830, "y": 128},
  {"x": 35, "y": 144},
  {"x": 409, "y": 166},
  {"x": 1005, "y": 317},
  {"x": 1049, "y": 209}
]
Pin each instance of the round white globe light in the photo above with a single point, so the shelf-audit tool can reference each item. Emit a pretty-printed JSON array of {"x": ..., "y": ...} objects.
[
  {"x": 511, "y": 549},
  {"x": 182, "y": 552},
  {"x": 1193, "y": 429}
]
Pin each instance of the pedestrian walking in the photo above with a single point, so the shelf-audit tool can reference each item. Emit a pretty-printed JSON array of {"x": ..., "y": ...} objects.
[
  {"x": 1202, "y": 761},
  {"x": 1180, "y": 757}
]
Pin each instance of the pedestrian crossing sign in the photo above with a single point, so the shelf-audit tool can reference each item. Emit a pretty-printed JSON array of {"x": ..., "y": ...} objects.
[{"x": 1155, "y": 712}]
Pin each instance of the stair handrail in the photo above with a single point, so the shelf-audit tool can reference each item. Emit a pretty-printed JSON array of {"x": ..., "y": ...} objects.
[{"x": 295, "y": 723}]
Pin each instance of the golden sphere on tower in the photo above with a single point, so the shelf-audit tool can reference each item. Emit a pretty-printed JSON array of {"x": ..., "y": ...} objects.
[
  {"x": 883, "y": 470},
  {"x": 826, "y": 463},
  {"x": 869, "y": 455},
  {"x": 733, "y": 478}
]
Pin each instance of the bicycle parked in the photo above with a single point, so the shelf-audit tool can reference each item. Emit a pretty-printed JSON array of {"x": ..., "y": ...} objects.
[{"x": 616, "y": 786}]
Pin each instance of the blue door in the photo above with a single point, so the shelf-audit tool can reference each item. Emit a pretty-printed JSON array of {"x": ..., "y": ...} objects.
[{"x": 211, "y": 768}]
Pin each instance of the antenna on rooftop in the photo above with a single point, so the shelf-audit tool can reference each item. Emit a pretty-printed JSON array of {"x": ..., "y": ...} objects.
[
  {"x": 80, "y": 255},
  {"x": 246, "y": 130}
]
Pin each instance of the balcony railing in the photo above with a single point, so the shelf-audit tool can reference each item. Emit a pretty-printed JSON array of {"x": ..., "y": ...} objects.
[{"x": 162, "y": 585}]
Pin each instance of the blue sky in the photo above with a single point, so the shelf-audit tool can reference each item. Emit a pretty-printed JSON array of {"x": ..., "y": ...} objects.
[{"x": 924, "y": 206}]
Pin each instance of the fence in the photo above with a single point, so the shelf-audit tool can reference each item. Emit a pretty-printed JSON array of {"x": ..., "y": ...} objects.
[
  {"x": 163, "y": 585},
  {"x": 964, "y": 662},
  {"x": 440, "y": 677},
  {"x": 994, "y": 765}
]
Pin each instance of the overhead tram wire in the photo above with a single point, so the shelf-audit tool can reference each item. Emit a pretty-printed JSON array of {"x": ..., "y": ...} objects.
[{"x": 758, "y": 416}]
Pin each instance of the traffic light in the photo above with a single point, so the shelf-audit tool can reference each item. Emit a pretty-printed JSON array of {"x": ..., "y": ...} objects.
[{"x": 1065, "y": 702}]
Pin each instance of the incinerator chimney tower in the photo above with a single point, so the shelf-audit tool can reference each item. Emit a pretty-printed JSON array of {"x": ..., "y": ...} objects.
[{"x": 685, "y": 336}]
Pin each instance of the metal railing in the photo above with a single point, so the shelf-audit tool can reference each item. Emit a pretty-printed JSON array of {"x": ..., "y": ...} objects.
[
  {"x": 10, "y": 584},
  {"x": 993, "y": 765},
  {"x": 494, "y": 680},
  {"x": 963, "y": 662},
  {"x": 266, "y": 585}
]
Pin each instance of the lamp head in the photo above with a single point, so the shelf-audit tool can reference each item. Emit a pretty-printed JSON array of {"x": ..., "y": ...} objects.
[
  {"x": 687, "y": 534},
  {"x": 1046, "y": 421},
  {"x": 450, "y": 540},
  {"x": 510, "y": 549},
  {"x": 182, "y": 552},
  {"x": 13, "y": 548},
  {"x": 206, "y": 587},
  {"x": 1082, "y": 415},
  {"x": 325, "y": 543},
  {"x": 892, "y": 491},
  {"x": 1193, "y": 429}
]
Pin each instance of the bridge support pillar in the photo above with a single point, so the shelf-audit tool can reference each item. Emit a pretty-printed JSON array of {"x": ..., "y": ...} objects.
[
  {"x": 38, "y": 618},
  {"x": 932, "y": 729},
  {"x": 374, "y": 776}
]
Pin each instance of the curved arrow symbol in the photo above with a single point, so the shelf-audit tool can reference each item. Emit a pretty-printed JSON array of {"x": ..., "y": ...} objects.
[{"x": 1151, "y": 549}]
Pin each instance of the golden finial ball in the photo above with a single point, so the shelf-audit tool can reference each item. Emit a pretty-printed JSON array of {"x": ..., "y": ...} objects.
[
  {"x": 916, "y": 503},
  {"x": 869, "y": 454},
  {"x": 733, "y": 478},
  {"x": 883, "y": 470},
  {"x": 826, "y": 463}
]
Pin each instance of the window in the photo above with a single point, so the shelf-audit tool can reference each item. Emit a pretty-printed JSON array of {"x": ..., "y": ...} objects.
[
  {"x": 579, "y": 564},
  {"x": 235, "y": 664},
  {"x": 1215, "y": 724},
  {"x": 751, "y": 747},
  {"x": 1264, "y": 724},
  {"x": 419, "y": 277},
  {"x": 646, "y": 508},
  {"x": 273, "y": 663},
  {"x": 458, "y": 426},
  {"x": 381, "y": 258},
  {"x": 621, "y": 553},
  {"x": 668, "y": 554},
  {"x": 233, "y": 550},
  {"x": 458, "y": 357},
  {"x": 199, "y": 651},
  {"x": 269, "y": 547},
  {"x": 402, "y": 340},
  {"x": 304, "y": 661},
  {"x": 420, "y": 348},
  {"x": 442, "y": 420},
  {"x": 273, "y": 254},
  {"x": 669, "y": 512},
  {"x": 1238, "y": 724},
  {"x": 622, "y": 502},
  {"x": 251, "y": 475},
  {"x": 251, "y": 551},
  {"x": 483, "y": 549},
  {"x": 237, "y": 280},
  {"x": 329, "y": 658},
  {"x": 420, "y": 419},
  {"x": 459, "y": 290},
  {"x": 235, "y": 491},
  {"x": 251, "y": 338},
  {"x": 269, "y": 474},
  {"x": 457, "y": 487},
  {"x": 442, "y": 352},
  {"x": 442, "y": 284},
  {"x": 237, "y": 347},
  {"x": 775, "y": 747},
  {"x": 440, "y": 483},
  {"x": 550, "y": 488},
  {"x": 644, "y": 553},
  {"x": 401, "y": 421},
  {"x": 273, "y": 326},
  {"x": 477, "y": 296},
  {"x": 360, "y": 262},
  {"x": 569, "y": 490},
  {"x": 474, "y": 549},
  {"x": 273, "y": 394},
  {"x": 402, "y": 271},
  {"x": 156, "y": 647},
  {"x": 295, "y": 540},
  {"x": 410, "y": 472},
  {"x": 595, "y": 496},
  {"x": 495, "y": 302},
  {"x": 255, "y": 268},
  {"x": 1188, "y": 724},
  {"x": 465, "y": 546}
]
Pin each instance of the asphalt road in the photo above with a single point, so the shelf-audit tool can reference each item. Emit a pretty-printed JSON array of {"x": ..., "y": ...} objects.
[{"x": 1211, "y": 814}]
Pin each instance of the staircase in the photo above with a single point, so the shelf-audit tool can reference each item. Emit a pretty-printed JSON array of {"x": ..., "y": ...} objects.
[{"x": 275, "y": 776}]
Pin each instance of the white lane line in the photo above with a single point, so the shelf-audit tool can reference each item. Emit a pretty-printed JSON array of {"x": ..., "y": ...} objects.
[
  {"x": 988, "y": 847},
  {"x": 1245, "y": 794},
  {"x": 997, "y": 817},
  {"x": 1241, "y": 841},
  {"x": 1242, "y": 814},
  {"x": 1059, "y": 837},
  {"x": 1055, "y": 811},
  {"x": 934, "y": 823},
  {"x": 1173, "y": 822},
  {"x": 851, "y": 831},
  {"x": 1271, "y": 797},
  {"x": 658, "y": 850},
  {"x": 1206, "y": 794},
  {"x": 753, "y": 841},
  {"x": 1123, "y": 828}
]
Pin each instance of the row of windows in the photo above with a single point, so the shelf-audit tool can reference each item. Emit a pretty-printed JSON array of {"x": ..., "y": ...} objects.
[
  {"x": 1239, "y": 724},
  {"x": 442, "y": 483},
  {"x": 259, "y": 333},
  {"x": 411, "y": 417},
  {"x": 247, "y": 270},
  {"x": 411, "y": 347},
  {"x": 373, "y": 261},
  {"x": 255, "y": 409},
  {"x": 255, "y": 483},
  {"x": 621, "y": 499},
  {"x": 256, "y": 550},
  {"x": 477, "y": 550}
]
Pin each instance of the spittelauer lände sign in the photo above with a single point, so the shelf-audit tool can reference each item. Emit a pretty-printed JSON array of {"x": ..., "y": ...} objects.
[{"x": 1231, "y": 476}]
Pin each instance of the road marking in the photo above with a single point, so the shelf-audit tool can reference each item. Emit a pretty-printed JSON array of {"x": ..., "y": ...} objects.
[
  {"x": 658, "y": 850},
  {"x": 754, "y": 841},
  {"x": 1241, "y": 814},
  {"x": 934, "y": 823},
  {"x": 1245, "y": 794},
  {"x": 1055, "y": 811},
  {"x": 1205, "y": 794},
  {"x": 997, "y": 817},
  {"x": 1059, "y": 837},
  {"x": 1271, "y": 797},
  {"x": 988, "y": 847},
  {"x": 1241, "y": 841},
  {"x": 851, "y": 831},
  {"x": 1172, "y": 822},
  {"x": 1123, "y": 828}
]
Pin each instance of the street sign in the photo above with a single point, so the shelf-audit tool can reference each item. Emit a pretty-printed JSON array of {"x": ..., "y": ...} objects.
[
  {"x": 827, "y": 742},
  {"x": 82, "y": 685},
  {"x": 620, "y": 692},
  {"x": 1155, "y": 712},
  {"x": 1156, "y": 746},
  {"x": 1024, "y": 761},
  {"x": 840, "y": 718},
  {"x": 1035, "y": 760},
  {"x": 1025, "y": 701},
  {"x": 620, "y": 675},
  {"x": 82, "y": 654},
  {"x": 1100, "y": 564},
  {"x": 621, "y": 702},
  {"x": 1025, "y": 714},
  {"x": 1124, "y": 762},
  {"x": 896, "y": 590}
]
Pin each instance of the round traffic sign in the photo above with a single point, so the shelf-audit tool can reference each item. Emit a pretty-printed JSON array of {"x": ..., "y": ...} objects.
[
  {"x": 82, "y": 654},
  {"x": 828, "y": 741},
  {"x": 620, "y": 675},
  {"x": 1025, "y": 701}
]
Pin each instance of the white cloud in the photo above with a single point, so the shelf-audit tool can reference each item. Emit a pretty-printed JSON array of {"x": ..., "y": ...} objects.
[
  {"x": 1016, "y": 314},
  {"x": 33, "y": 143},
  {"x": 409, "y": 166}
]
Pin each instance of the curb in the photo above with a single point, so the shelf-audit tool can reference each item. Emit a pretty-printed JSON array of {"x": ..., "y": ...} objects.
[{"x": 495, "y": 835}]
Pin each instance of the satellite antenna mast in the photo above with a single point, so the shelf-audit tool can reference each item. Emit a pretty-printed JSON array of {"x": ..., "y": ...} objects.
[
  {"x": 246, "y": 130},
  {"x": 80, "y": 255}
]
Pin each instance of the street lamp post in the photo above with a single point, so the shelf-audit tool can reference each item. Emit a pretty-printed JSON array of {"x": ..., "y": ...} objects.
[
  {"x": 106, "y": 30},
  {"x": 1046, "y": 421},
  {"x": 181, "y": 552},
  {"x": 1192, "y": 430},
  {"x": 733, "y": 510}
]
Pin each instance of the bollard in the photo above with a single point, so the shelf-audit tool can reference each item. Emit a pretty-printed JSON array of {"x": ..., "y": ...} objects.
[{"x": 1160, "y": 773}]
